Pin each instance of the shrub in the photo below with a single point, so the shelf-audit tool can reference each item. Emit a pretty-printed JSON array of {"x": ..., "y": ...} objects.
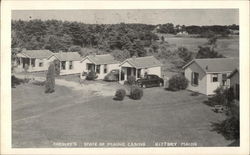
[
  {"x": 120, "y": 94},
  {"x": 222, "y": 97},
  {"x": 50, "y": 79},
  {"x": 229, "y": 128},
  {"x": 15, "y": 81},
  {"x": 194, "y": 94},
  {"x": 178, "y": 82},
  {"x": 131, "y": 80},
  {"x": 136, "y": 93},
  {"x": 91, "y": 75}
]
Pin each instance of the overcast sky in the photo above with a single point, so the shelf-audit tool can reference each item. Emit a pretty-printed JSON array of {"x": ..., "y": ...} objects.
[{"x": 175, "y": 16}]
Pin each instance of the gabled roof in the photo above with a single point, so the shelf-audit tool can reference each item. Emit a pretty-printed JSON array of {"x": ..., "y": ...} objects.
[
  {"x": 101, "y": 59},
  {"x": 143, "y": 62},
  {"x": 68, "y": 56},
  {"x": 234, "y": 71},
  {"x": 38, "y": 54},
  {"x": 215, "y": 65}
]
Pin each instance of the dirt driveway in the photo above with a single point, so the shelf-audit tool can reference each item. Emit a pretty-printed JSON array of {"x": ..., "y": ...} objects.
[{"x": 99, "y": 88}]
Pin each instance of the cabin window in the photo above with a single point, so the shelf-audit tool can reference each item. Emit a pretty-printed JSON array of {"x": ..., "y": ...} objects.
[
  {"x": 63, "y": 65},
  {"x": 214, "y": 77},
  {"x": 195, "y": 78},
  {"x": 40, "y": 64},
  {"x": 138, "y": 73},
  {"x": 33, "y": 64},
  {"x": 98, "y": 69},
  {"x": 70, "y": 65},
  {"x": 105, "y": 70}
]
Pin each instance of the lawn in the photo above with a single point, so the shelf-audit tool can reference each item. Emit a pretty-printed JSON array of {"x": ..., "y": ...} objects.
[
  {"x": 80, "y": 119},
  {"x": 228, "y": 47}
]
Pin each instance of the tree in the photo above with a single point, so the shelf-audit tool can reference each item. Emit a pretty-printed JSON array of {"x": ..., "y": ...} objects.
[
  {"x": 14, "y": 59},
  {"x": 57, "y": 67},
  {"x": 184, "y": 54},
  {"x": 162, "y": 39},
  {"x": 75, "y": 48},
  {"x": 207, "y": 52},
  {"x": 167, "y": 28},
  {"x": 50, "y": 79},
  {"x": 229, "y": 128},
  {"x": 121, "y": 55}
]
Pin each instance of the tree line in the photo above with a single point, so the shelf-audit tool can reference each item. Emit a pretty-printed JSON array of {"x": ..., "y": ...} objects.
[
  {"x": 66, "y": 36},
  {"x": 201, "y": 31}
]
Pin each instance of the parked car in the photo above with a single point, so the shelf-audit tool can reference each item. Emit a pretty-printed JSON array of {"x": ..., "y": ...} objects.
[
  {"x": 150, "y": 80},
  {"x": 113, "y": 75}
]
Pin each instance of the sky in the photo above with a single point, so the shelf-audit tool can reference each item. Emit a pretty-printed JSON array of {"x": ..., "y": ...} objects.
[{"x": 145, "y": 16}]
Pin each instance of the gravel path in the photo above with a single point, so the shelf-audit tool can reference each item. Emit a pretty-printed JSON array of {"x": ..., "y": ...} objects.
[{"x": 93, "y": 88}]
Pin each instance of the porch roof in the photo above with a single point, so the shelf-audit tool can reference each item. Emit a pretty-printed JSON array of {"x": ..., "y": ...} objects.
[
  {"x": 143, "y": 62},
  {"x": 101, "y": 59},
  {"x": 38, "y": 54}
]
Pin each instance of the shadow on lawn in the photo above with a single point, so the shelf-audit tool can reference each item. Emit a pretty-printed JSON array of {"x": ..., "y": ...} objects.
[{"x": 229, "y": 129}]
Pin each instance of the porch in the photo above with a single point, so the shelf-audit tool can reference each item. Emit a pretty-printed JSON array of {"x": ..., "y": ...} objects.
[
  {"x": 25, "y": 63},
  {"x": 125, "y": 72},
  {"x": 93, "y": 67}
]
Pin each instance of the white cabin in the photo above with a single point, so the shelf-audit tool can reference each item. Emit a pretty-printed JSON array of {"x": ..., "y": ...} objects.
[
  {"x": 33, "y": 60},
  {"x": 101, "y": 64},
  {"x": 69, "y": 62},
  {"x": 138, "y": 67},
  {"x": 206, "y": 75}
]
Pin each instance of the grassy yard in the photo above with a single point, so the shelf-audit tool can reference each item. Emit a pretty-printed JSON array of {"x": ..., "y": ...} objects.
[
  {"x": 228, "y": 47},
  {"x": 76, "y": 117}
]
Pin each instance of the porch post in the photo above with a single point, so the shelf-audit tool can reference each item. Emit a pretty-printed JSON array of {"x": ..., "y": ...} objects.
[
  {"x": 29, "y": 64},
  {"x": 120, "y": 74},
  {"x": 21, "y": 61},
  {"x": 136, "y": 73},
  {"x": 126, "y": 74}
]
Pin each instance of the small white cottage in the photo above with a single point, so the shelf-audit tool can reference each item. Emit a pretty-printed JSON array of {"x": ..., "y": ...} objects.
[
  {"x": 206, "y": 75},
  {"x": 35, "y": 60},
  {"x": 101, "y": 64},
  {"x": 69, "y": 62},
  {"x": 139, "y": 66}
]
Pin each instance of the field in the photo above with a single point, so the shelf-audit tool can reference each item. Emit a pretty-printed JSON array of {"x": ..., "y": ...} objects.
[
  {"x": 228, "y": 47},
  {"x": 81, "y": 118}
]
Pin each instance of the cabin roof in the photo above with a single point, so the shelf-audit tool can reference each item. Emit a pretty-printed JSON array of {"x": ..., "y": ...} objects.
[
  {"x": 101, "y": 59},
  {"x": 38, "y": 54},
  {"x": 68, "y": 56},
  {"x": 143, "y": 62},
  {"x": 214, "y": 65}
]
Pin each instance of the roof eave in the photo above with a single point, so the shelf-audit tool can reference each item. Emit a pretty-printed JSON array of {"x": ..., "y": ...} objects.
[
  {"x": 219, "y": 72},
  {"x": 189, "y": 63}
]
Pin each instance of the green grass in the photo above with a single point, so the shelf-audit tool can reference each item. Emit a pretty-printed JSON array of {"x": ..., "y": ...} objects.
[{"x": 39, "y": 120}]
